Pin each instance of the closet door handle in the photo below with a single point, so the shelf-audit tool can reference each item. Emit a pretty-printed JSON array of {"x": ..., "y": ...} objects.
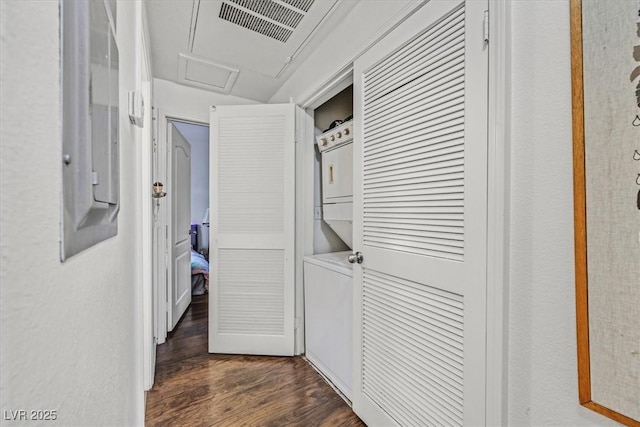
[{"x": 356, "y": 258}]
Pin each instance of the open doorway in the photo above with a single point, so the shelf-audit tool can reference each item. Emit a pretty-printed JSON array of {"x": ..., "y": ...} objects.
[
  {"x": 181, "y": 162},
  {"x": 198, "y": 137}
]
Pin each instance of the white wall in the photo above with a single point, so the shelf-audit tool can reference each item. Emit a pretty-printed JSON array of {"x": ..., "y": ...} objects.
[
  {"x": 190, "y": 103},
  {"x": 542, "y": 351},
  {"x": 542, "y": 338},
  {"x": 71, "y": 332}
]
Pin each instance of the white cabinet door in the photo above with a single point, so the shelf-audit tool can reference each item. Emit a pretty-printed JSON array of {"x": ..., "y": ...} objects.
[
  {"x": 180, "y": 196},
  {"x": 420, "y": 205},
  {"x": 251, "y": 303}
]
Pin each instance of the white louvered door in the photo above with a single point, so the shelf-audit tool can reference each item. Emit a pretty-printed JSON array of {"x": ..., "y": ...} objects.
[
  {"x": 420, "y": 205},
  {"x": 251, "y": 302}
]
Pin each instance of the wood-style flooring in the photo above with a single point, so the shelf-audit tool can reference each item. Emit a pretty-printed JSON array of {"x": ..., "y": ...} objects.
[{"x": 195, "y": 388}]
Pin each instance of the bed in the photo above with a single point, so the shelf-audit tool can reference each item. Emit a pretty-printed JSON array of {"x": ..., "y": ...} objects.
[{"x": 199, "y": 274}]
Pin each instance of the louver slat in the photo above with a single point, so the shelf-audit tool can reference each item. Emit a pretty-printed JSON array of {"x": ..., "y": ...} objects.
[
  {"x": 418, "y": 57},
  {"x": 414, "y": 201},
  {"x": 420, "y": 329},
  {"x": 250, "y": 301},
  {"x": 441, "y": 98},
  {"x": 303, "y": 5},
  {"x": 239, "y": 192},
  {"x": 414, "y": 142}
]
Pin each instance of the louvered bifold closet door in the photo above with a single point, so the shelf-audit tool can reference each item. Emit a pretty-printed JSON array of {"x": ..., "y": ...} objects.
[
  {"x": 420, "y": 222},
  {"x": 251, "y": 303}
]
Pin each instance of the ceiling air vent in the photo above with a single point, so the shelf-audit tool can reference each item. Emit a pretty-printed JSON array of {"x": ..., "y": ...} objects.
[
  {"x": 300, "y": 4},
  {"x": 267, "y": 17},
  {"x": 273, "y": 11}
]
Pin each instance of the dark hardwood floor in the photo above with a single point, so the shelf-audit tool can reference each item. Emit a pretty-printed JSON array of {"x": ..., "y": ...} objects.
[{"x": 195, "y": 388}]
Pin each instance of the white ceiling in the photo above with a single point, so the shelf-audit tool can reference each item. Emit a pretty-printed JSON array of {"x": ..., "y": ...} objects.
[{"x": 192, "y": 45}]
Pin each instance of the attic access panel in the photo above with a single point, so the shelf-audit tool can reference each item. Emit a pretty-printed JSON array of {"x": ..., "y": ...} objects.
[{"x": 256, "y": 35}]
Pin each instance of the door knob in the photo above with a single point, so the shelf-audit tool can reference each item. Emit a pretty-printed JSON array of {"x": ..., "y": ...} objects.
[{"x": 357, "y": 257}]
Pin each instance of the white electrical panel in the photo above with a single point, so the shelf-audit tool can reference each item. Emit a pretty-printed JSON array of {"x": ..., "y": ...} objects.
[{"x": 90, "y": 102}]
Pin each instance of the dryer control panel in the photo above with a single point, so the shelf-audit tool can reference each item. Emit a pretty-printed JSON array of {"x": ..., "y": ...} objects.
[{"x": 339, "y": 135}]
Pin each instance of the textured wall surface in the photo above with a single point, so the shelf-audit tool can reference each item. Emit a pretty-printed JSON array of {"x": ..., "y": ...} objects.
[
  {"x": 542, "y": 341},
  {"x": 71, "y": 333}
]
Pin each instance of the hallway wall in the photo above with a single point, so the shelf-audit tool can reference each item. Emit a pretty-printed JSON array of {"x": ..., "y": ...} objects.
[
  {"x": 543, "y": 374},
  {"x": 70, "y": 332},
  {"x": 191, "y": 103}
]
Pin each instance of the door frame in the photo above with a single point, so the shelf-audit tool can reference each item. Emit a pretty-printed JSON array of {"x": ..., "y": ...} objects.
[
  {"x": 144, "y": 79},
  {"x": 162, "y": 273},
  {"x": 498, "y": 191},
  {"x": 148, "y": 308}
]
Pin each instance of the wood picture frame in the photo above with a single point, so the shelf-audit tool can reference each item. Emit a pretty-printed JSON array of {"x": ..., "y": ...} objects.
[{"x": 583, "y": 325}]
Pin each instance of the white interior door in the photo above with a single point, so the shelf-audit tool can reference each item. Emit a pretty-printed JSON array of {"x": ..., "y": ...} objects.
[
  {"x": 421, "y": 220},
  {"x": 251, "y": 304},
  {"x": 179, "y": 292}
]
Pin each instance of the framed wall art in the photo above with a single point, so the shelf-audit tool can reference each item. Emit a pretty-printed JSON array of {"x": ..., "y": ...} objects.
[{"x": 605, "y": 38}]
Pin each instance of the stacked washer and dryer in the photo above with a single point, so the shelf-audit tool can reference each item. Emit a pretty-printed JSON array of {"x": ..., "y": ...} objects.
[{"x": 328, "y": 278}]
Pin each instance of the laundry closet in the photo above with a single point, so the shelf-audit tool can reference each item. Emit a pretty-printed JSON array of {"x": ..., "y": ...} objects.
[{"x": 328, "y": 274}]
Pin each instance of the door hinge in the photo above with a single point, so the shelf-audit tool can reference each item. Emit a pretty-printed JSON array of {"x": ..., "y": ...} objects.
[
  {"x": 485, "y": 27},
  {"x": 296, "y": 323}
]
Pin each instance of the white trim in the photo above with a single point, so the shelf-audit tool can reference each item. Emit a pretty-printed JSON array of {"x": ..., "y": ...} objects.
[
  {"x": 498, "y": 213},
  {"x": 144, "y": 85},
  {"x": 145, "y": 44},
  {"x": 336, "y": 83},
  {"x": 304, "y": 211},
  {"x": 147, "y": 245}
]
